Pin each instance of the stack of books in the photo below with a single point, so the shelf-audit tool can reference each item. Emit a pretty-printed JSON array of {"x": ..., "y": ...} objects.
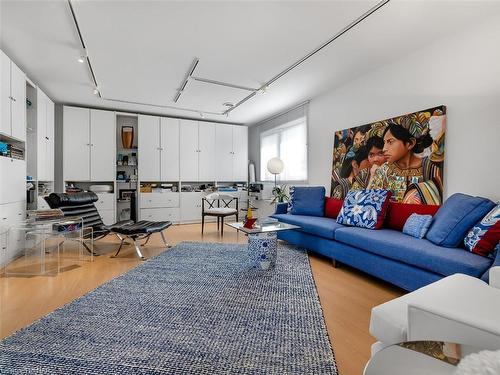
[{"x": 40, "y": 215}]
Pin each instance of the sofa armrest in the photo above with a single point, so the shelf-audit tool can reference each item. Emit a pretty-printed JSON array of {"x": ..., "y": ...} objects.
[
  {"x": 459, "y": 326},
  {"x": 281, "y": 208},
  {"x": 495, "y": 277}
]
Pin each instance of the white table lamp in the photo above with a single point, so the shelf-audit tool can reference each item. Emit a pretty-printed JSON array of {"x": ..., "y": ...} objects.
[{"x": 275, "y": 166}]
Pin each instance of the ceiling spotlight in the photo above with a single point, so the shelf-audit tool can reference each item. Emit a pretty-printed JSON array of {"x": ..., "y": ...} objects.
[
  {"x": 263, "y": 89},
  {"x": 228, "y": 105},
  {"x": 202, "y": 115},
  {"x": 81, "y": 59},
  {"x": 96, "y": 91}
]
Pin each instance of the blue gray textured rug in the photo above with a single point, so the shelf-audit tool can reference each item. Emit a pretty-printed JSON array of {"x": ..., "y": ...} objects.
[{"x": 195, "y": 309}]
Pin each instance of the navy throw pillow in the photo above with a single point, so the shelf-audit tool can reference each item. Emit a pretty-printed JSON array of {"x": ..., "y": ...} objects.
[
  {"x": 455, "y": 217},
  {"x": 307, "y": 200}
]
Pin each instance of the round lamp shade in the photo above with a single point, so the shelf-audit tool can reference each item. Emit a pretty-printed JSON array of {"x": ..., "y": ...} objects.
[{"x": 275, "y": 166}]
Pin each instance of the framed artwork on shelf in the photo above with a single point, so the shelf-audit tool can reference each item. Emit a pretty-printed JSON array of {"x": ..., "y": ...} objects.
[{"x": 125, "y": 194}]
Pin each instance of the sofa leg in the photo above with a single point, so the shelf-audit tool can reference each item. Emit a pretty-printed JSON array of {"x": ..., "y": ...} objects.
[{"x": 335, "y": 263}]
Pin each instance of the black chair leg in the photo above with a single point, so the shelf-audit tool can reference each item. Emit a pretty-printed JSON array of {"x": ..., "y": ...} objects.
[
  {"x": 202, "y": 223},
  {"x": 218, "y": 219},
  {"x": 222, "y": 226}
]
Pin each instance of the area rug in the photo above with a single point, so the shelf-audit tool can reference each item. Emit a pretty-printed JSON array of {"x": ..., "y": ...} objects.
[{"x": 194, "y": 309}]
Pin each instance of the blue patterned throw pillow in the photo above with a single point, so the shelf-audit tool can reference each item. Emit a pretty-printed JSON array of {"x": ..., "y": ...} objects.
[
  {"x": 417, "y": 225},
  {"x": 364, "y": 208}
]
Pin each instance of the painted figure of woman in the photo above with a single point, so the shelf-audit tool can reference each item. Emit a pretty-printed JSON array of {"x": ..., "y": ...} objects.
[{"x": 412, "y": 178}]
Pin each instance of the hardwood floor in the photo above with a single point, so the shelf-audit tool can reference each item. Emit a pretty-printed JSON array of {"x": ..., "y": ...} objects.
[{"x": 346, "y": 295}]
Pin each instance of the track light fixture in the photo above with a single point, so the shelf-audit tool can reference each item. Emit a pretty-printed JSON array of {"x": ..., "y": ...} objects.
[
  {"x": 81, "y": 59},
  {"x": 202, "y": 115},
  {"x": 96, "y": 91}
]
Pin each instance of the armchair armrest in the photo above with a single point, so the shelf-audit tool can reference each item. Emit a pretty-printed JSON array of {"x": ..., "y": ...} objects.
[
  {"x": 281, "y": 208},
  {"x": 495, "y": 277},
  {"x": 470, "y": 325}
]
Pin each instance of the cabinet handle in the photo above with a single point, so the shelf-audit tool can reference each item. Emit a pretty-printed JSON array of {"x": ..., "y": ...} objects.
[{"x": 47, "y": 138}]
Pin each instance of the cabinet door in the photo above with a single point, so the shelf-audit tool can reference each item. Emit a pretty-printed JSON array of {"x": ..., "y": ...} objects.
[
  {"x": 169, "y": 132},
  {"x": 189, "y": 150},
  {"x": 50, "y": 145},
  {"x": 5, "y": 94},
  {"x": 13, "y": 171},
  {"x": 149, "y": 148},
  {"x": 76, "y": 144},
  {"x": 191, "y": 206},
  {"x": 224, "y": 152},
  {"x": 240, "y": 153},
  {"x": 102, "y": 145},
  {"x": 206, "y": 141},
  {"x": 18, "y": 108},
  {"x": 41, "y": 135}
]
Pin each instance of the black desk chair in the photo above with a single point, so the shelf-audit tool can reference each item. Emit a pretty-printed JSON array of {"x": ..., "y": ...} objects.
[{"x": 218, "y": 205}]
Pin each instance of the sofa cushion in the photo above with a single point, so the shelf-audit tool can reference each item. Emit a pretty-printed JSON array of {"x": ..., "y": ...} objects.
[
  {"x": 485, "y": 235},
  {"x": 398, "y": 213},
  {"x": 389, "y": 321},
  {"x": 456, "y": 216},
  {"x": 317, "y": 226},
  {"x": 307, "y": 200},
  {"x": 333, "y": 207},
  {"x": 417, "y": 225},
  {"x": 364, "y": 208},
  {"x": 417, "y": 252}
]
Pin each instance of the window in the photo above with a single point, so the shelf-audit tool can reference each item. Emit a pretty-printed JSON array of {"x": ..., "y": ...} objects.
[{"x": 289, "y": 143}]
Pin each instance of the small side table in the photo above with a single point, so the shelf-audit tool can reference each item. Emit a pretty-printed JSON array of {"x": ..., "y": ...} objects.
[
  {"x": 39, "y": 244},
  {"x": 263, "y": 243},
  {"x": 418, "y": 358}
]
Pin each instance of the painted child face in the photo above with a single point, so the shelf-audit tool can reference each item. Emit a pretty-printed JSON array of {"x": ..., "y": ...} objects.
[
  {"x": 394, "y": 149},
  {"x": 376, "y": 156},
  {"x": 358, "y": 138}
]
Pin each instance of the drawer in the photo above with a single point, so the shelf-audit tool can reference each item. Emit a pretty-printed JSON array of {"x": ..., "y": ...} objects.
[
  {"x": 160, "y": 214},
  {"x": 155, "y": 200},
  {"x": 106, "y": 201},
  {"x": 108, "y": 216}
]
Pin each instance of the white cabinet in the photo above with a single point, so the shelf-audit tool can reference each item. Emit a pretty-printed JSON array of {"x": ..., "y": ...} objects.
[
  {"x": 106, "y": 207},
  {"x": 206, "y": 154},
  {"x": 10, "y": 245},
  {"x": 160, "y": 214},
  {"x": 13, "y": 180},
  {"x": 191, "y": 206},
  {"x": 12, "y": 99},
  {"x": 154, "y": 200},
  {"x": 169, "y": 149},
  {"x": 197, "y": 151},
  {"x": 158, "y": 149},
  {"x": 231, "y": 152},
  {"x": 45, "y": 137},
  {"x": 76, "y": 144},
  {"x": 102, "y": 145},
  {"x": 149, "y": 148},
  {"x": 89, "y": 142}
]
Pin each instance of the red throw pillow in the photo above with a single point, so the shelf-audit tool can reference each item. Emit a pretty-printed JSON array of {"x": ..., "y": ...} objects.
[
  {"x": 398, "y": 213},
  {"x": 333, "y": 207}
]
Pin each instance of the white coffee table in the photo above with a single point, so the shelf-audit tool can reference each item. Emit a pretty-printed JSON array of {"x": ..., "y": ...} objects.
[{"x": 263, "y": 242}]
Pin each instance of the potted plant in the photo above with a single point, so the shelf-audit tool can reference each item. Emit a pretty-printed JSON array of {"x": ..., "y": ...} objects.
[{"x": 280, "y": 194}]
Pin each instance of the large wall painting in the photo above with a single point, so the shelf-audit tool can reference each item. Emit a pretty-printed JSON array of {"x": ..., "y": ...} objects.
[{"x": 403, "y": 154}]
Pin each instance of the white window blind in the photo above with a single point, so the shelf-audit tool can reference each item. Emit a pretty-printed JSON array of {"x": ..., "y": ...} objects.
[{"x": 289, "y": 143}]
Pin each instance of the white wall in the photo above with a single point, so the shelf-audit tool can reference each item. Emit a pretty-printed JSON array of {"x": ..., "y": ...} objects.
[{"x": 461, "y": 72}]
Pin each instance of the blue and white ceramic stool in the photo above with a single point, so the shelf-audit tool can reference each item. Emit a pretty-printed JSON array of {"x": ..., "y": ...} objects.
[{"x": 262, "y": 250}]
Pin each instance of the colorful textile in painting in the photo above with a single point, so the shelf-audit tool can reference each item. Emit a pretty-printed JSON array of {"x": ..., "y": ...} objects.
[{"x": 404, "y": 154}]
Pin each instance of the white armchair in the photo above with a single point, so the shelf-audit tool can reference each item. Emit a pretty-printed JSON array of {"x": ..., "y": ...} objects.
[{"x": 458, "y": 308}]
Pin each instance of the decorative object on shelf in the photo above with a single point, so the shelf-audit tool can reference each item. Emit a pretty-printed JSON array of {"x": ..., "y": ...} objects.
[
  {"x": 127, "y": 136},
  {"x": 119, "y": 159},
  {"x": 275, "y": 166},
  {"x": 4, "y": 149},
  {"x": 132, "y": 160},
  {"x": 101, "y": 188},
  {"x": 146, "y": 188},
  {"x": 121, "y": 176},
  {"x": 125, "y": 160},
  {"x": 126, "y": 194}
]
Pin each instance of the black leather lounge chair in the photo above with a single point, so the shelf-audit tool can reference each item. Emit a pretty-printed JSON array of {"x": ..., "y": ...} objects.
[{"x": 82, "y": 205}]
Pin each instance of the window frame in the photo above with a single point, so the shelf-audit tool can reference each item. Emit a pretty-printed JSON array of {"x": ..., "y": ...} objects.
[{"x": 279, "y": 130}]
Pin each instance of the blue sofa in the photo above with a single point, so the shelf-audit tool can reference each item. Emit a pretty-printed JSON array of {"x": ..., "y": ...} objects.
[{"x": 388, "y": 254}]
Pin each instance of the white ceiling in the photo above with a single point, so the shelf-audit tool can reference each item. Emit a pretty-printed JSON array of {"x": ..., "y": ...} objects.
[{"x": 142, "y": 50}]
